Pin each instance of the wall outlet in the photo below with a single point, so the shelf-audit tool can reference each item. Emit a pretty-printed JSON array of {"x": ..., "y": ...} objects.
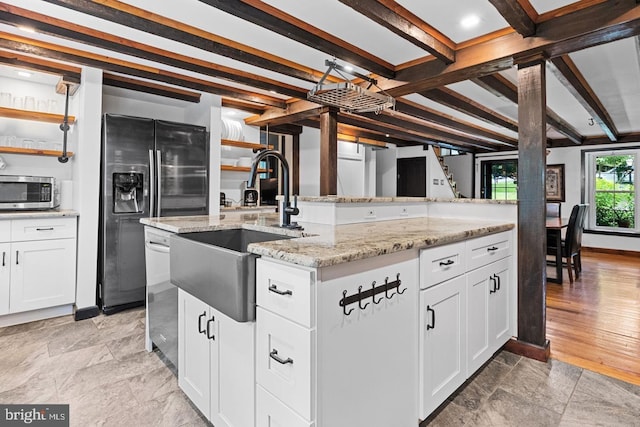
[
  {"x": 442, "y": 182},
  {"x": 435, "y": 181}
]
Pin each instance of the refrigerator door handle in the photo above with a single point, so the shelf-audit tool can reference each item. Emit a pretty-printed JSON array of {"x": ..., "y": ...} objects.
[
  {"x": 152, "y": 184},
  {"x": 159, "y": 173}
]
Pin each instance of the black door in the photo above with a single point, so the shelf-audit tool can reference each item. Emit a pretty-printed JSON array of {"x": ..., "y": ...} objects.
[{"x": 412, "y": 177}]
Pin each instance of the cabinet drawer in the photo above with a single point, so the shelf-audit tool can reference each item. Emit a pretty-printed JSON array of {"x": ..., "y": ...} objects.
[
  {"x": 487, "y": 249},
  {"x": 283, "y": 360},
  {"x": 441, "y": 263},
  {"x": 5, "y": 231},
  {"x": 285, "y": 290},
  {"x": 42, "y": 229},
  {"x": 270, "y": 412}
]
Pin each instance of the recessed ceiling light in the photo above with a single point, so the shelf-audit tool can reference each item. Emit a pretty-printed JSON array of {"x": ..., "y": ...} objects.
[
  {"x": 24, "y": 74},
  {"x": 348, "y": 67},
  {"x": 470, "y": 21},
  {"x": 27, "y": 29},
  {"x": 387, "y": 135}
]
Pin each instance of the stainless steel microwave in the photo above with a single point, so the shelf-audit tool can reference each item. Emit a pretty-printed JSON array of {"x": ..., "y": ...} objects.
[{"x": 20, "y": 192}]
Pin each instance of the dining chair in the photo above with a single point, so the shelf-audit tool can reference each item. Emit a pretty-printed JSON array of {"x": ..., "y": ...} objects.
[
  {"x": 572, "y": 243},
  {"x": 553, "y": 209}
]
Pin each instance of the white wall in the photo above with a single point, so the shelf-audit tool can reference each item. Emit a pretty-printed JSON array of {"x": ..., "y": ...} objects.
[
  {"x": 461, "y": 167},
  {"x": 386, "y": 172},
  {"x": 571, "y": 157},
  {"x": 310, "y": 162}
]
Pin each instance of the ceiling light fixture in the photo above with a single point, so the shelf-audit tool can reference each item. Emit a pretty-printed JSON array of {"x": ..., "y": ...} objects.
[
  {"x": 27, "y": 29},
  {"x": 24, "y": 74},
  {"x": 470, "y": 21},
  {"x": 349, "y": 96}
]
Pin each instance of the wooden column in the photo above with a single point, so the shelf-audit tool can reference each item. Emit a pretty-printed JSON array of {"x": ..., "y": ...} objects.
[
  {"x": 532, "y": 136},
  {"x": 328, "y": 152}
]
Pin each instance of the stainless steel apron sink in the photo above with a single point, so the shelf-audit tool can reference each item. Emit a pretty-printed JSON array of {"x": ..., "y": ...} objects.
[{"x": 215, "y": 267}]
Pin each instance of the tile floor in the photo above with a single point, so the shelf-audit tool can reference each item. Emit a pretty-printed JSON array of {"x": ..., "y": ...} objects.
[{"x": 100, "y": 368}]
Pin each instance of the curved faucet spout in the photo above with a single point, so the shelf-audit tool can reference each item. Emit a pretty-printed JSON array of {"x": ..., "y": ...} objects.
[{"x": 285, "y": 211}]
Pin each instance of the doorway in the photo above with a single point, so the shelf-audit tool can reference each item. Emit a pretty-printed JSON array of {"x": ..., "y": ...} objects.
[{"x": 412, "y": 177}]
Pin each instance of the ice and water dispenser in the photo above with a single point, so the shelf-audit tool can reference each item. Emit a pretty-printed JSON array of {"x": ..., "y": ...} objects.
[{"x": 128, "y": 192}]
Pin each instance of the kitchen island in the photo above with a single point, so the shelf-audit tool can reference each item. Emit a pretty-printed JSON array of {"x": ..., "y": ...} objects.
[{"x": 372, "y": 323}]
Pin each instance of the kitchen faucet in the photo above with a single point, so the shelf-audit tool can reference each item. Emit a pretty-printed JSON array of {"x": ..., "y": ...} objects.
[{"x": 285, "y": 210}]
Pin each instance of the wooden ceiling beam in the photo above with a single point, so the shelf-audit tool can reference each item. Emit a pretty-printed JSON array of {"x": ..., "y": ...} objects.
[
  {"x": 355, "y": 131},
  {"x": 500, "y": 86},
  {"x": 602, "y": 23},
  {"x": 397, "y": 22},
  {"x": 516, "y": 16},
  {"x": 69, "y": 73},
  {"x": 51, "y": 26},
  {"x": 567, "y": 72},
  {"x": 624, "y": 138},
  {"x": 455, "y": 100},
  {"x": 420, "y": 111},
  {"x": 61, "y": 53},
  {"x": 273, "y": 19},
  {"x": 143, "y": 20},
  {"x": 115, "y": 80}
]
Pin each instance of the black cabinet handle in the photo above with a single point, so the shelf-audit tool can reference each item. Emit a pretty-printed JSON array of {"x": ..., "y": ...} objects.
[
  {"x": 209, "y": 334},
  {"x": 17, "y": 260},
  {"x": 45, "y": 229},
  {"x": 492, "y": 248},
  {"x": 498, "y": 281},
  {"x": 449, "y": 262},
  {"x": 3, "y": 255},
  {"x": 493, "y": 280},
  {"x": 274, "y": 288},
  {"x": 274, "y": 356},
  {"x": 204, "y": 314},
  {"x": 431, "y": 325}
]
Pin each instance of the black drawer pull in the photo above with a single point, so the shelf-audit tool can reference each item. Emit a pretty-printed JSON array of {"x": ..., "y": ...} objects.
[
  {"x": 274, "y": 356},
  {"x": 45, "y": 229},
  {"x": 209, "y": 334},
  {"x": 431, "y": 325},
  {"x": 274, "y": 288},
  {"x": 17, "y": 260},
  {"x": 202, "y": 331},
  {"x": 3, "y": 255},
  {"x": 492, "y": 248},
  {"x": 495, "y": 283},
  {"x": 448, "y": 262}
]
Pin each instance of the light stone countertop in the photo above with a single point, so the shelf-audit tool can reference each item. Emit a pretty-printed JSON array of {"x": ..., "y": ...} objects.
[
  {"x": 52, "y": 213},
  {"x": 351, "y": 199},
  {"x": 325, "y": 245}
]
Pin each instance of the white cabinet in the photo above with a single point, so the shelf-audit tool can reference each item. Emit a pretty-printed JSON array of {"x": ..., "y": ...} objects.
[
  {"x": 443, "y": 341},
  {"x": 326, "y": 364},
  {"x": 464, "y": 312},
  {"x": 38, "y": 265},
  {"x": 215, "y": 357},
  {"x": 488, "y": 311}
]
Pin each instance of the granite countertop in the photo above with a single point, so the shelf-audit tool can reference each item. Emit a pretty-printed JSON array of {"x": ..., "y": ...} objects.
[
  {"x": 51, "y": 213},
  {"x": 322, "y": 245},
  {"x": 351, "y": 199}
]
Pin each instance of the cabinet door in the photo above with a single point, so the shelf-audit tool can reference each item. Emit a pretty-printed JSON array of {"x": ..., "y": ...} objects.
[
  {"x": 499, "y": 304},
  {"x": 443, "y": 330},
  {"x": 5, "y": 275},
  {"x": 193, "y": 350},
  {"x": 232, "y": 373},
  {"x": 488, "y": 311},
  {"x": 42, "y": 274}
]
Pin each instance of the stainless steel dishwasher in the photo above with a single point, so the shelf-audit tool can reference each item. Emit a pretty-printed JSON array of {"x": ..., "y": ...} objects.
[{"x": 162, "y": 296}]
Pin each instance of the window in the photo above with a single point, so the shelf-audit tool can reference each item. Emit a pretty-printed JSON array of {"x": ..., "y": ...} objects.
[
  {"x": 499, "y": 180},
  {"x": 613, "y": 196}
]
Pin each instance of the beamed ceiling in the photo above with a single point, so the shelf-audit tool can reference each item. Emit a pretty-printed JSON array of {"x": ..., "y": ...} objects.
[{"x": 454, "y": 87}]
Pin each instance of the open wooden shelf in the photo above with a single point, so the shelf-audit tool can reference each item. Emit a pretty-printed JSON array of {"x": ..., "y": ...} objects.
[
  {"x": 33, "y": 151},
  {"x": 242, "y": 144},
  {"x": 239, "y": 169},
  {"x": 13, "y": 113}
]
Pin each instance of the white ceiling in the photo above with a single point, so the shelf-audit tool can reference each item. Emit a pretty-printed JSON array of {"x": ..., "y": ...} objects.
[{"x": 612, "y": 70}]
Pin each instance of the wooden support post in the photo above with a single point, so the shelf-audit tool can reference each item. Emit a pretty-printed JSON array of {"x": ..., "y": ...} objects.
[
  {"x": 328, "y": 152},
  {"x": 532, "y": 133}
]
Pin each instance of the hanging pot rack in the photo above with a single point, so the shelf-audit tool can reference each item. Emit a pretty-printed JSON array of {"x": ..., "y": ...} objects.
[{"x": 347, "y": 95}]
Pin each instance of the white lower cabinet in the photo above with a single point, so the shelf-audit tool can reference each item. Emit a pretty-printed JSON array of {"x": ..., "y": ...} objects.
[
  {"x": 271, "y": 412},
  {"x": 215, "y": 357},
  {"x": 37, "y": 263},
  {"x": 443, "y": 335},
  {"x": 488, "y": 311}
]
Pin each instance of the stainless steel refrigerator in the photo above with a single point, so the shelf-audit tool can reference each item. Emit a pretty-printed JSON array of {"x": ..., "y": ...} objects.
[{"x": 149, "y": 168}]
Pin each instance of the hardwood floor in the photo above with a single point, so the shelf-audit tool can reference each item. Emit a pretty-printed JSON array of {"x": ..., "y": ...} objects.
[{"x": 594, "y": 323}]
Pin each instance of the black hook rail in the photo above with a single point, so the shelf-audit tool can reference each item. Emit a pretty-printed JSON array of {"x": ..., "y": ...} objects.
[{"x": 371, "y": 293}]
